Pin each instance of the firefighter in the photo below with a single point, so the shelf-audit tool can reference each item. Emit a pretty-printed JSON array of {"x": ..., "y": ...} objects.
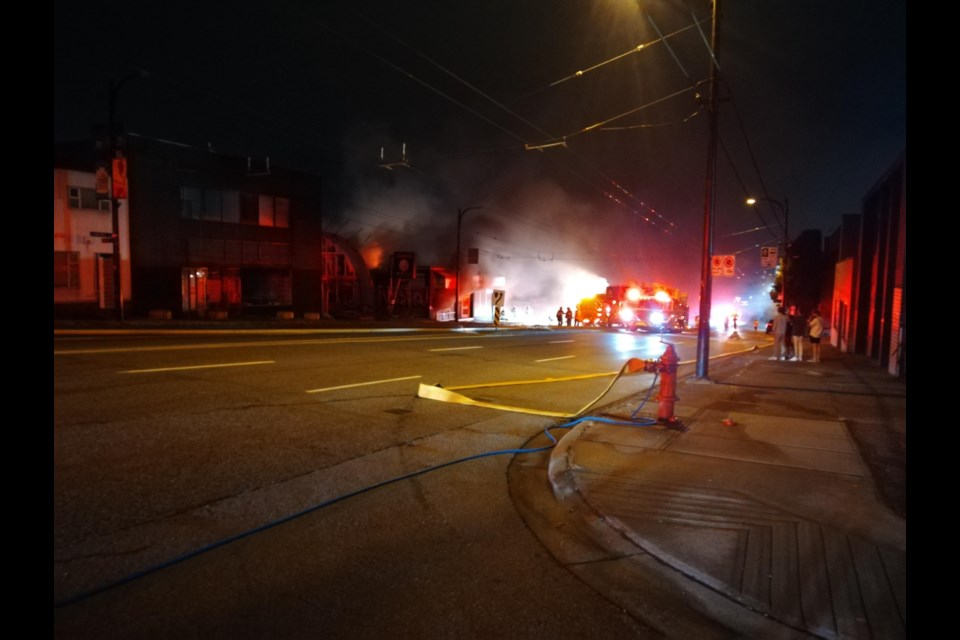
[
  {"x": 569, "y": 315},
  {"x": 560, "y": 317}
]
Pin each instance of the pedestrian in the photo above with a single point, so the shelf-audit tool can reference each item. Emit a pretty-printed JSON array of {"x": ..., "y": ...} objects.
[
  {"x": 756, "y": 325},
  {"x": 726, "y": 325},
  {"x": 798, "y": 329},
  {"x": 569, "y": 315},
  {"x": 560, "y": 317},
  {"x": 780, "y": 324},
  {"x": 815, "y": 330}
]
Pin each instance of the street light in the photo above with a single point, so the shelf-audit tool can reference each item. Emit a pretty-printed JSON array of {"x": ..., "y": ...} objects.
[
  {"x": 710, "y": 194},
  {"x": 784, "y": 257},
  {"x": 456, "y": 303}
]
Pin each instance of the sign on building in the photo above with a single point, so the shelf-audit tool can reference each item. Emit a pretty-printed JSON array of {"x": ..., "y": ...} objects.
[
  {"x": 769, "y": 257},
  {"x": 404, "y": 264}
]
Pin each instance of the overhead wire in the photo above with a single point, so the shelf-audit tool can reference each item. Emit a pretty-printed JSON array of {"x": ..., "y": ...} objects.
[{"x": 509, "y": 111}]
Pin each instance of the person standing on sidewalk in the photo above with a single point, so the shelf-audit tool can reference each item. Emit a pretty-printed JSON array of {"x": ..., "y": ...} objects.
[
  {"x": 798, "y": 329},
  {"x": 815, "y": 324},
  {"x": 780, "y": 323}
]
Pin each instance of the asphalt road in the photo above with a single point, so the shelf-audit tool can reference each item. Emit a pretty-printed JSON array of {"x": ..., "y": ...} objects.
[{"x": 244, "y": 485}]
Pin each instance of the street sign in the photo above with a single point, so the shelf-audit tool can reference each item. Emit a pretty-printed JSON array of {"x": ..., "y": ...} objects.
[
  {"x": 729, "y": 262},
  {"x": 404, "y": 264},
  {"x": 103, "y": 181},
  {"x": 119, "y": 178},
  {"x": 768, "y": 257},
  {"x": 498, "y": 297},
  {"x": 723, "y": 265}
]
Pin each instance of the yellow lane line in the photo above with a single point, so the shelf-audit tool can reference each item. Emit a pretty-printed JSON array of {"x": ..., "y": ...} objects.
[{"x": 362, "y": 384}]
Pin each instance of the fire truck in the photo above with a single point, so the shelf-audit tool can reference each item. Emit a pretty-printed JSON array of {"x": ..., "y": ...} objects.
[{"x": 646, "y": 307}]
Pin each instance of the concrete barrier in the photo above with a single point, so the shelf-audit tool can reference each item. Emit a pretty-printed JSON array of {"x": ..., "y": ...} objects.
[
  {"x": 160, "y": 314},
  {"x": 311, "y": 315},
  {"x": 284, "y": 315},
  {"x": 218, "y": 315}
]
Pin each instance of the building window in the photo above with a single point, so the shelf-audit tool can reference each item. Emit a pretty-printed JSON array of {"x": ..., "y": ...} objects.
[
  {"x": 231, "y": 206},
  {"x": 274, "y": 212},
  {"x": 66, "y": 269},
  {"x": 281, "y": 212},
  {"x": 82, "y": 198},
  {"x": 266, "y": 211},
  {"x": 201, "y": 204},
  {"x": 216, "y": 205},
  {"x": 191, "y": 202},
  {"x": 212, "y": 204},
  {"x": 249, "y": 208}
]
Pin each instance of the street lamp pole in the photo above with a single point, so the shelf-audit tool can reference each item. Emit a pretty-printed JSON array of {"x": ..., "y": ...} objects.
[
  {"x": 786, "y": 251},
  {"x": 785, "y": 255},
  {"x": 115, "y": 150},
  {"x": 456, "y": 303},
  {"x": 710, "y": 193}
]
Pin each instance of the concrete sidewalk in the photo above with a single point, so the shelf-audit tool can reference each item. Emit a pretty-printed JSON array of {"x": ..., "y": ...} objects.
[{"x": 758, "y": 516}]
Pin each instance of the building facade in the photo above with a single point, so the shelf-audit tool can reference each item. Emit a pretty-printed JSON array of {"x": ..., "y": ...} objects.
[
  {"x": 83, "y": 274},
  {"x": 200, "y": 233},
  {"x": 870, "y": 284}
]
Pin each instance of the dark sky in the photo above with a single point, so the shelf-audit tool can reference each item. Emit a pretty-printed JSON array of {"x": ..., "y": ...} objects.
[{"x": 813, "y": 111}]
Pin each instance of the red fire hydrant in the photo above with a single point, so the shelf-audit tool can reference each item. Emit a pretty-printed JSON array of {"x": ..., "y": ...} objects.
[{"x": 667, "y": 367}]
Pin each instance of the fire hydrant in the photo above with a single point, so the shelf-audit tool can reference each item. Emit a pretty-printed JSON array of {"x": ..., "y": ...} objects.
[
  {"x": 666, "y": 366},
  {"x": 668, "y": 384}
]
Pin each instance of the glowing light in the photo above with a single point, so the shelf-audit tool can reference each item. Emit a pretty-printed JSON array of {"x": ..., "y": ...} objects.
[
  {"x": 582, "y": 285},
  {"x": 661, "y": 296},
  {"x": 657, "y": 318},
  {"x": 633, "y": 294},
  {"x": 626, "y": 314}
]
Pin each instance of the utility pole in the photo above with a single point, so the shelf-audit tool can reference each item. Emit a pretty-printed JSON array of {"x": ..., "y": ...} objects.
[
  {"x": 786, "y": 251},
  {"x": 456, "y": 303},
  {"x": 113, "y": 130},
  {"x": 710, "y": 193},
  {"x": 118, "y": 184}
]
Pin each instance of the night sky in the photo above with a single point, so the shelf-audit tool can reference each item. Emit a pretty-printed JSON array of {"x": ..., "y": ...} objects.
[{"x": 812, "y": 111}]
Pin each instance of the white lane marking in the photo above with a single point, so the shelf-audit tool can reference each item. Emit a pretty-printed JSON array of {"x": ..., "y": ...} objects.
[
  {"x": 559, "y": 341},
  {"x": 236, "y": 345},
  {"x": 362, "y": 384},
  {"x": 199, "y": 366},
  {"x": 455, "y": 349},
  {"x": 551, "y": 359}
]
